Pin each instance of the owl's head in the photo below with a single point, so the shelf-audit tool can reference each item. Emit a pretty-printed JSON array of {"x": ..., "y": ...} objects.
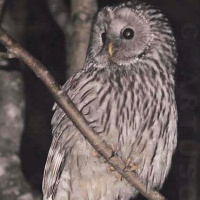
[{"x": 128, "y": 34}]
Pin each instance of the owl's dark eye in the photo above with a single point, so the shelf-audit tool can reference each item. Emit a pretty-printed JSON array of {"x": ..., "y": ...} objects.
[
  {"x": 103, "y": 37},
  {"x": 128, "y": 33}
]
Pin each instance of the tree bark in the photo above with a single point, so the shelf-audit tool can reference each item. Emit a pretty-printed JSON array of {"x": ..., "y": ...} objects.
[
  {"x": 60, "y": 12},
  {"x": 13, "y": 185},
  {"x": 76, "y": 24},
  {"x": 82, "y": 12}
]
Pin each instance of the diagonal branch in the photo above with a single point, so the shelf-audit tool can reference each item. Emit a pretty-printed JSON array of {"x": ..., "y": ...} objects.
[{"x": 67, "y": 105}]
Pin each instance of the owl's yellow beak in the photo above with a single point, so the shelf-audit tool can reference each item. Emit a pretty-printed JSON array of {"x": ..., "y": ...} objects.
[{"x": 110, "y": 49}]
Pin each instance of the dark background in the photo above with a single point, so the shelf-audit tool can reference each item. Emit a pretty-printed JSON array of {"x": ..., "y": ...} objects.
[{"x": 45, "y": 40}]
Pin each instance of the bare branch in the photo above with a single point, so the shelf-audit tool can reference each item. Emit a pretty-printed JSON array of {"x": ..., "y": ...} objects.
[{"x": 69, "y": 108}]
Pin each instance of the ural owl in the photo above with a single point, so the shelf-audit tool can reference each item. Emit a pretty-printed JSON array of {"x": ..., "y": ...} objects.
[{"x": 125, "y": 90}]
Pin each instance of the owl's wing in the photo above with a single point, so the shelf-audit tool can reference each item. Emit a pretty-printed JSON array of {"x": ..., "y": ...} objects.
[
  {"x": 52, "y": 168},
  {"x": 64, "y": 131},
  {"x": 55, "y": 160}
]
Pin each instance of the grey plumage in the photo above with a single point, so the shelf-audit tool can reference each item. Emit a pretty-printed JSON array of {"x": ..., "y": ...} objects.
[{"x": 127, "y": 97}]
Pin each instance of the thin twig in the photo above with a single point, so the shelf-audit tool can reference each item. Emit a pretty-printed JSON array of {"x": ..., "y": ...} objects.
[
  {"x": 7, "y": 55},
  {"x": 69, "y": 108}
]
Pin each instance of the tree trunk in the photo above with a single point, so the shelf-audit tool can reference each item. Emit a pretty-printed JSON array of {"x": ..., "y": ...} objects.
[{"x": 12, "y": 182}]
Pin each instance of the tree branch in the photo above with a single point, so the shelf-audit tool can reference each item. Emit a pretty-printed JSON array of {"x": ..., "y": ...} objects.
[{"x": 69, "y": 108}]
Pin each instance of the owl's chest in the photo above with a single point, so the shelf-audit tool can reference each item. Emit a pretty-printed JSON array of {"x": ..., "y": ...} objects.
[
  {"x": 116, "y": 102},
  {"x": 120, "y": 112}
]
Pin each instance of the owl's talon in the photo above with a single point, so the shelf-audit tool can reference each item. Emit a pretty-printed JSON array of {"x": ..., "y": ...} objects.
[
  {"x": 112, "y": 155},
  {"x": 114, "y": 151},
  {"x": 50, "y": 198},
  {"x": 112, "y": 168},
  {"x": 120, "y": 177},
  {"x": 95, "y": 154},
  {"x": 130, "y": 166}
]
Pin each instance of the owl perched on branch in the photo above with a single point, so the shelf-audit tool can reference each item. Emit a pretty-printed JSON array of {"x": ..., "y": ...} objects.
[{"x": 125, "y": 90}]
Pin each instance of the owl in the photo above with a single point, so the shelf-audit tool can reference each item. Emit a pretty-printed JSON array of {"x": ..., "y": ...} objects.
[{"x": 125, "y": 91}]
